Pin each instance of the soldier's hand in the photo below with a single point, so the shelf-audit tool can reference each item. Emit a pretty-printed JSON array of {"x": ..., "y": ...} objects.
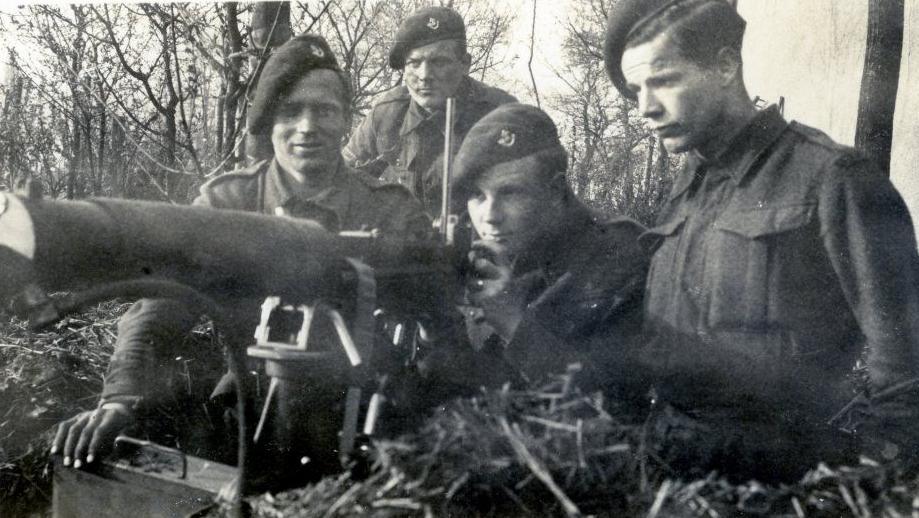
[
  {"x": 89, "y": 435},
  {"x": 494, "y": 288}
]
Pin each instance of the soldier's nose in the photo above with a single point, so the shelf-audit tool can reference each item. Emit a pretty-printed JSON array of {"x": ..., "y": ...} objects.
[
  {"x": 305, "y": 124},
  {"x": 648, "y": 105},
  {"x": 491, "y": 213},
  {"x": 424, "y": 71}
]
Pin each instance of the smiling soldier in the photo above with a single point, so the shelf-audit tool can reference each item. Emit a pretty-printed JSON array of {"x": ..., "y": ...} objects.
[
  {"x": 301, "y": 105},
  {"x": 781, "y": 254},
  {"x": 402, "y": 137}
]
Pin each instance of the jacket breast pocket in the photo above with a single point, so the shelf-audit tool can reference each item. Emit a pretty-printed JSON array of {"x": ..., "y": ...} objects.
[
  {"x": 747, "y": 256},
  {"x": 666, "y": 268}
]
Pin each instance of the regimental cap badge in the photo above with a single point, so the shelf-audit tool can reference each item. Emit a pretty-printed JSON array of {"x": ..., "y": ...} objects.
[
  {"x": 507, "y": 138},
  {"x": 317, "y": 51},
  {"x": 433, "y": 23}
]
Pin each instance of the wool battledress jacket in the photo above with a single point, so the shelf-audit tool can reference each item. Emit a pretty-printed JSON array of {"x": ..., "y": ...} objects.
[
  {"x": 585, "y": 308},
  {"x": 402, "y": 143},
  {"x": 785, "y": 253},
  {"x": 352, "y": 201}
]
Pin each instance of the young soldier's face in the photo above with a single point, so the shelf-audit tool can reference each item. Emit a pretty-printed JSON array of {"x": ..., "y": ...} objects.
[
  {"x": 512, "y": 209},
  {"x": 681, "y": 100},
  {"x": 309, "y": 125},
  {"x": 434, "y": 72}
]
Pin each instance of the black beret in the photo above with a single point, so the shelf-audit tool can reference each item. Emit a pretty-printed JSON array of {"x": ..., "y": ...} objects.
[
  {"x": 287, "y": 64},
  {"x": 625, "y": 18},
  {"x": 509, "y": 133},
  {"x": 424, "y": 26}
]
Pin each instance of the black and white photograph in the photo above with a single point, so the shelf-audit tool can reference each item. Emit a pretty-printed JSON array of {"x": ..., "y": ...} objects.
[{"x": 459, "y": 258}]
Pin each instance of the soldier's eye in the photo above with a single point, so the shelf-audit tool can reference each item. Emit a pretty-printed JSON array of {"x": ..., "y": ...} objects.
[
  {"x": 477, "y": 196},
  {"x": 511, "y": 191},
  {"x": 288, "y": 110}
]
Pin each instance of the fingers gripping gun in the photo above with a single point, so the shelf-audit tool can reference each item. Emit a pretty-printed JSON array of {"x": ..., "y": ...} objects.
[{"x": 107, "y": 248}]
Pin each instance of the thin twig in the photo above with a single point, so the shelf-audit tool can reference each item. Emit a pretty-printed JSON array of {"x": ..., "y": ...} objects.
[
  {"x": 539, "y": 470},
  {"x": 659, "y": 499},
  {"x": 530, "y": 61},
  {"x": 33, "y": 351}
]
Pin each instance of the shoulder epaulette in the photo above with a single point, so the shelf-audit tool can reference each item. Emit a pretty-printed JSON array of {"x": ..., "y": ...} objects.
[
  {"x": 818, "y": 137},
  {"x": 393, "y": 95},
  {"x": 484, "y": 93},
  {"x": 236, "y": 189},
  {"x": 247, "y": 172}
]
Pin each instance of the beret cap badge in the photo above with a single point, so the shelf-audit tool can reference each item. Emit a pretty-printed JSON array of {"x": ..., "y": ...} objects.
[
  {"x": 507, "y": 138},
  {"x": 423, "y": 27},
  {"x": 317, "y": 51}
]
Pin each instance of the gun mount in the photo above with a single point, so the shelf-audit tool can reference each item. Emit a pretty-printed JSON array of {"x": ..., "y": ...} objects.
[{"x": 105, "y": 248}]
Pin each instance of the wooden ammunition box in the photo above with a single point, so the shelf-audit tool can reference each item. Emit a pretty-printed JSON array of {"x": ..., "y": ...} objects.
[{"x": 144, "y": 484}]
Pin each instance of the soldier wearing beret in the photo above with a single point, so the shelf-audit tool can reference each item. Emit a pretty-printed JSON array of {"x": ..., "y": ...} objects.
[
  {"x": 301, "y": 106},
  {"x": 402, "y": 137},
  {"x": 780, "y": 254},
  {"x": 553, "y": 283}
]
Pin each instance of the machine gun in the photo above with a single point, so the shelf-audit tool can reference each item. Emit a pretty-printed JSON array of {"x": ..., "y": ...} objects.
[{"x": 105, "y": 248}]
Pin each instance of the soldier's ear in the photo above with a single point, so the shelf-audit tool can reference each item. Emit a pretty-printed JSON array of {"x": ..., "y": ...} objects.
[{"x": 728, "y": 64}]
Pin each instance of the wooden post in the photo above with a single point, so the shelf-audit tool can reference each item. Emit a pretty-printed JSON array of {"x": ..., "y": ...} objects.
[{"x": 880, "y": 78}]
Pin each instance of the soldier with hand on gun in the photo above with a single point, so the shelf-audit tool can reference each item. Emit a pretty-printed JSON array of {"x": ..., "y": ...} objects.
[
  {"x": 302, "y": 105},
  {"x": 552, "y": 283}
]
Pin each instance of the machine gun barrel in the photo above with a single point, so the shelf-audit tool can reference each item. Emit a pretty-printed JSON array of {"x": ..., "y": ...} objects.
[
  {"x": 133, "y": 248},
  {"x": 223, "y": 254}
]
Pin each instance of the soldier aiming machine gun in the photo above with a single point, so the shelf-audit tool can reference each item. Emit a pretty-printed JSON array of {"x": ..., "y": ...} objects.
[{"x": 106, "y": 248}]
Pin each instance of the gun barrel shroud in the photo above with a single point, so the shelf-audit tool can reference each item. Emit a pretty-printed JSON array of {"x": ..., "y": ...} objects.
[{"x": 222, "y": 253}]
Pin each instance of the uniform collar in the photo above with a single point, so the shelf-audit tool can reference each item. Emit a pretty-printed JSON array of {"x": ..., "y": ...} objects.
[
  {"x": 282, "y": 191},
  {"x": 739, "y": 154},
  {"x": 416, "y": 115}
]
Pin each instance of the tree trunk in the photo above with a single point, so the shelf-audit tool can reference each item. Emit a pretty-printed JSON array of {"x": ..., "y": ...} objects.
[
  {"x": 587, "y": 159},
  {"x": 73, "y": 165},
  {"x": 628, "y": 188},
  {"x": 231, "y": 90},
  {"x": 116, "y": 163},
  {"x": 172, "y": 182},
  {"x": 103, "y": 136},
  {"x": 880, "y": 78},
  {"x": 270, "y": 28}
]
